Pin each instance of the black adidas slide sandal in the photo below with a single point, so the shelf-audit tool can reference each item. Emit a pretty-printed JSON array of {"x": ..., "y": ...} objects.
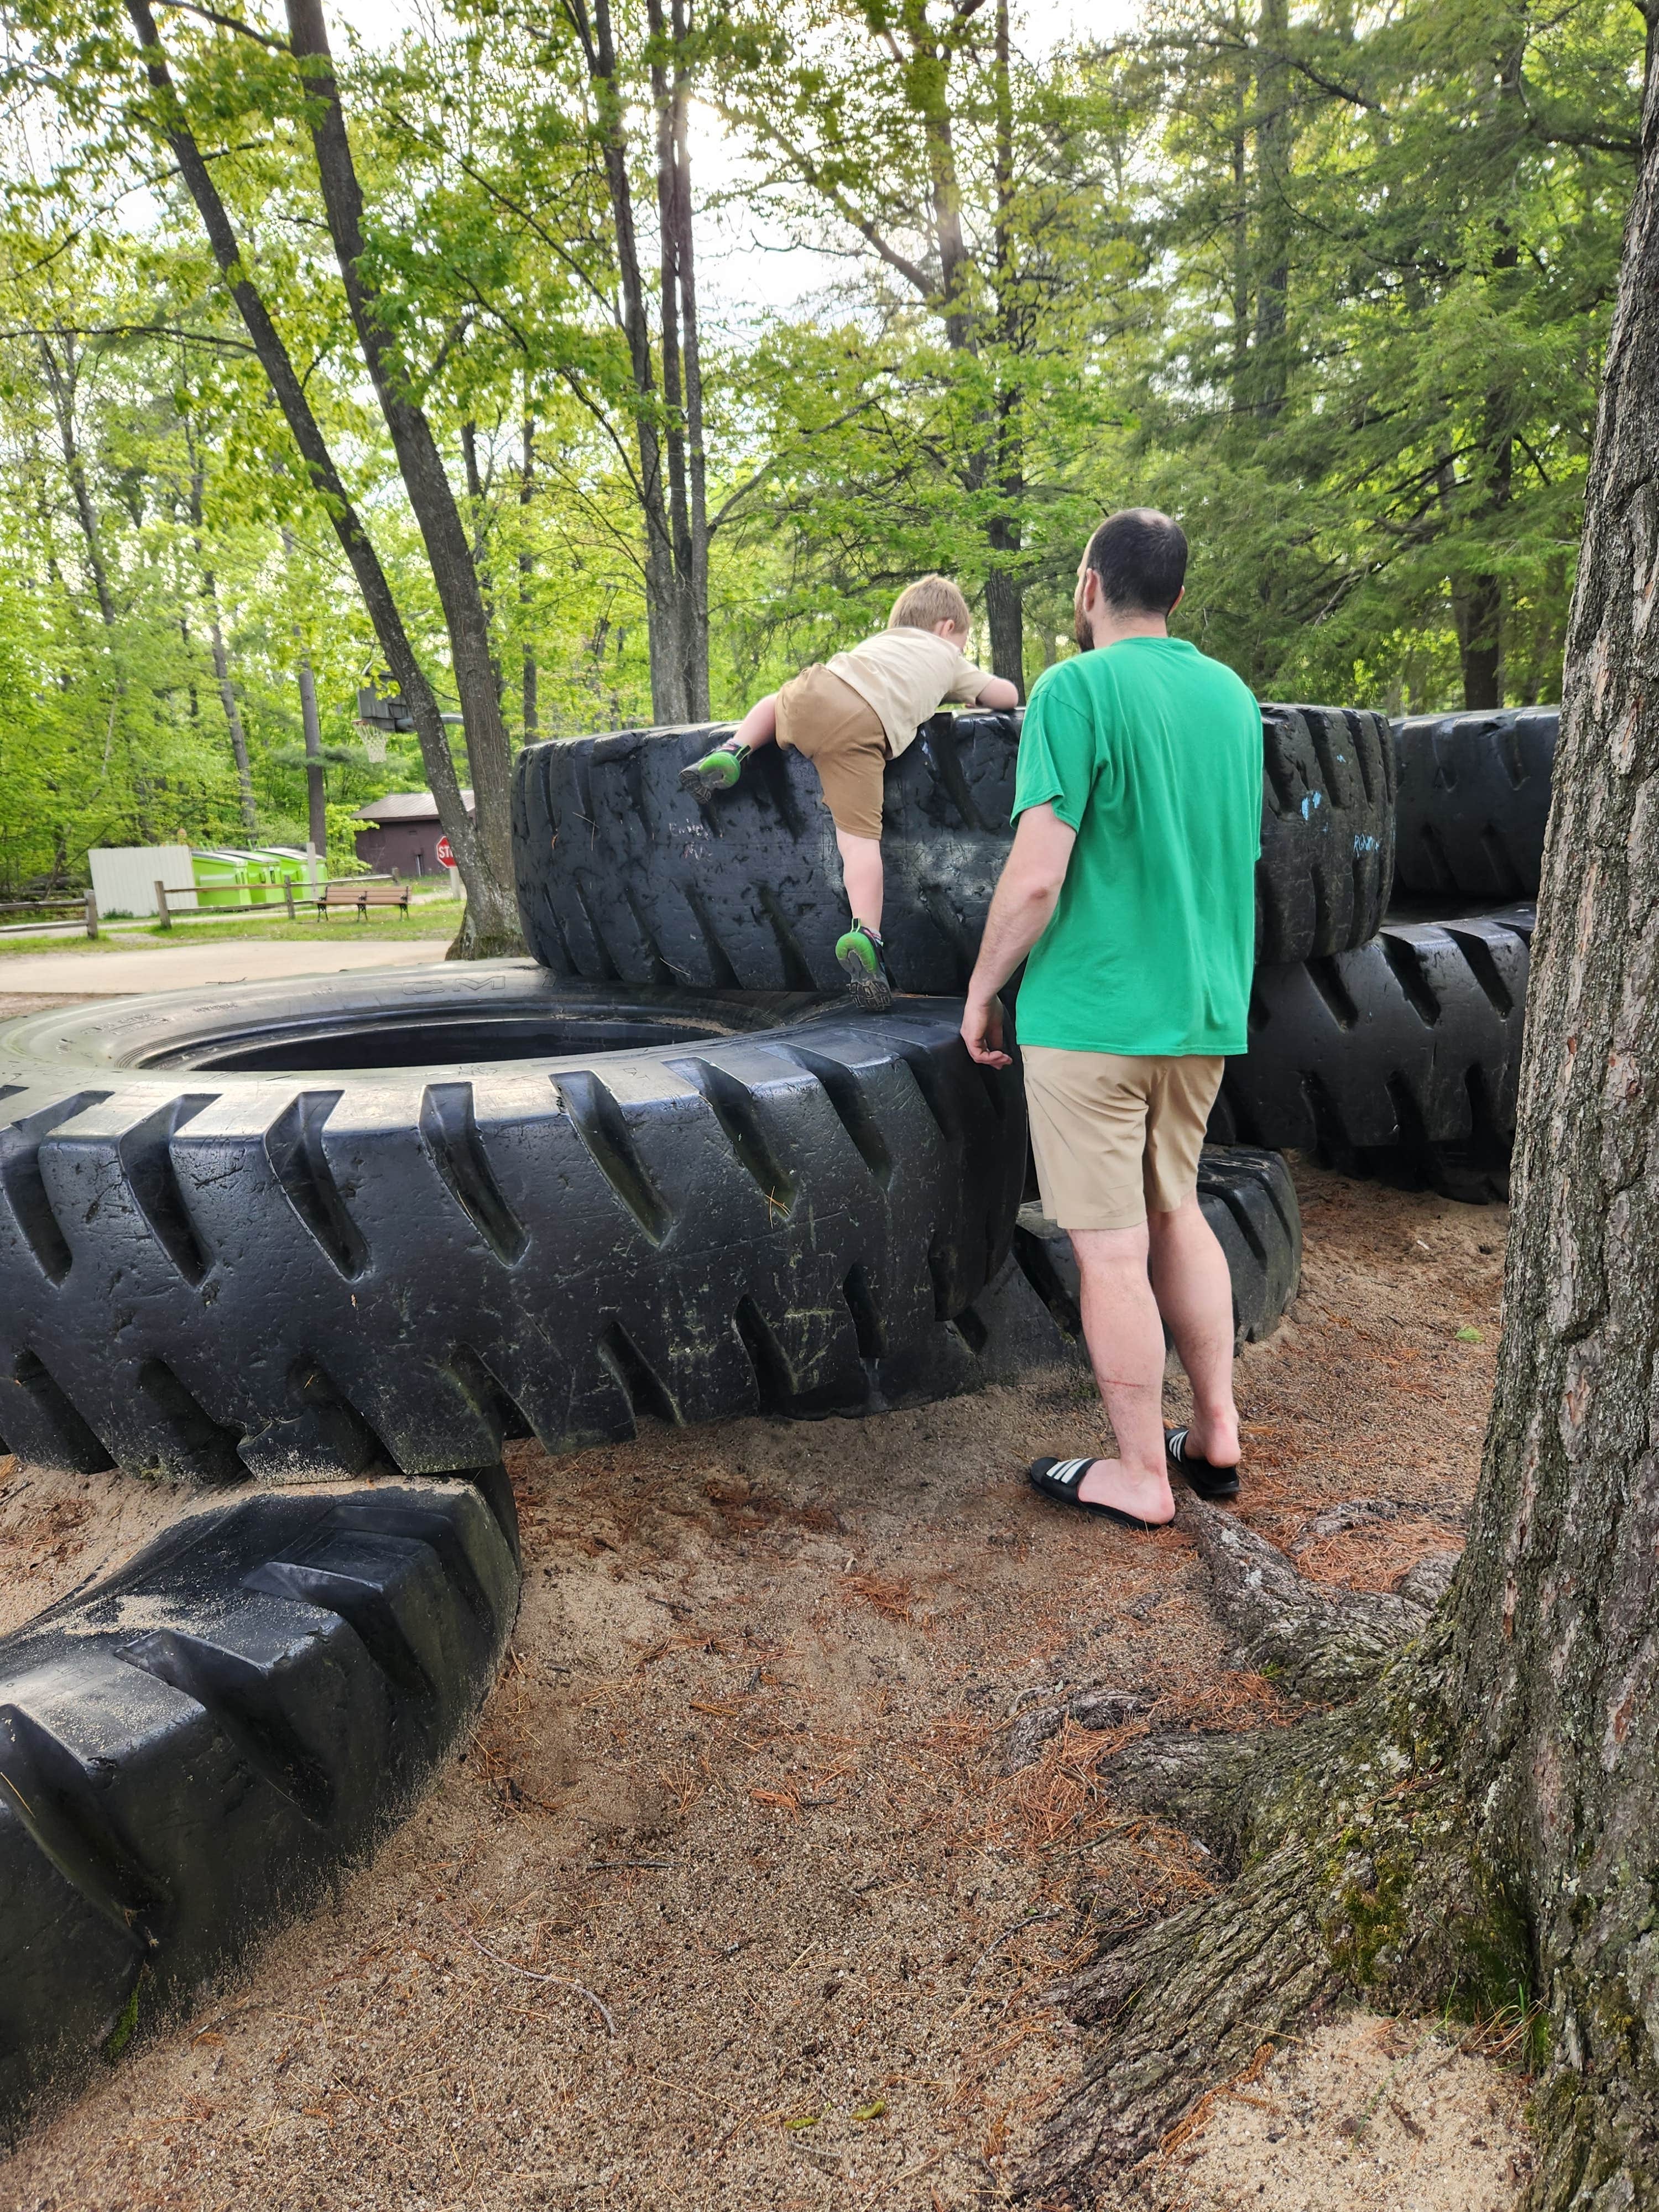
[
  {"x": 1206, "y": 1481},
  {"x": 1063, "y": 1478}
]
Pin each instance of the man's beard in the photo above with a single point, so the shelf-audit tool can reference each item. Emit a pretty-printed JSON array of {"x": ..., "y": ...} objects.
[{"x": 1080, "y": 630}]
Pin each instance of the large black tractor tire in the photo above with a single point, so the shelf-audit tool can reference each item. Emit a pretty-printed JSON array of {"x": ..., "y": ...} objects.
[
  {"x": 622, "y": 877},
  {"x": 1030, "y": 1317},
  {"x": 1474, "y": 803},
  {"x": 1403, "y": 1059},
  {"x": 190, "y": 1749},
  {"x": 387, "y": 1219}
]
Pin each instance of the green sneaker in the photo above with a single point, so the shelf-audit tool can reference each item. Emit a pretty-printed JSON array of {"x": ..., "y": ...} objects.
[
  {"x": 868, "y": 984},
  {"x": 715, "y": 772}
]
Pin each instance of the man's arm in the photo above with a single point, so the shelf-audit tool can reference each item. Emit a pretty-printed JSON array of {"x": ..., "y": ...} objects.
[{"x": 1026, "y": 895}]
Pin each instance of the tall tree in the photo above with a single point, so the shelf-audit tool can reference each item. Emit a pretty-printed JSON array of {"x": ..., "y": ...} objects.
[
  {"x": 671, "y": 470},
  {"x": 1387, "y": 274},
  {"x": 969, "y": 180},
  {"x": 484, "y": 854},
  {"x": 1484, "y": 1818},
  {"x": 222, "y": 677}
]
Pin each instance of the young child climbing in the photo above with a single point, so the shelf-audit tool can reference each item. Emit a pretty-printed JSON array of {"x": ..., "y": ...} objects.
[{"x": 850, "y": 716}]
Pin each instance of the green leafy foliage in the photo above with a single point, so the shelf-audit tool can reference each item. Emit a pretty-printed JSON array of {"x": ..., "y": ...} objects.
[{"x": 1333, "y": 288}]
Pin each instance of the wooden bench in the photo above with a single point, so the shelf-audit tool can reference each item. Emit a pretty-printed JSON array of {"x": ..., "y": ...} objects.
[{"x": 361, "y": 897}]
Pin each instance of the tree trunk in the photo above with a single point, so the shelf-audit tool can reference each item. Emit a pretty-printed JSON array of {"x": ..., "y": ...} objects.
[
  {"x": 311, "y": 724},
  {"x": 492, "y": 924},
  {"x": 1556, "y": 1669},
  {"x": 227, "y": 699},
  {"x": 60, "y": 382},
  {"x": 477, "y": 499},
  {"x": 682, "y": 361},
  {"x": 1004, "y": 590},
  {"x": 671, "y": 697},
  {"x": 1274, "y": 141},
  {"x": 1483, "y": 1819},
  {"x": 1479, "y": 607},
  {"x": 316, "y": 782},
  {"x": 527, "y": 569},
  {"x": 1477, "y": 612},
  {"x": 326, "y": 479}
]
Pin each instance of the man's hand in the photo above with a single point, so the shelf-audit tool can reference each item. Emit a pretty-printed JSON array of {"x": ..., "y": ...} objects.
[
  {"x": 981, "y": 1032},
  {"x": 1027, "y": 893}
]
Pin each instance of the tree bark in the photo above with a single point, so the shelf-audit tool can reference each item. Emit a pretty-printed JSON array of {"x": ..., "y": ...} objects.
[
  {"x": 1482, "y": 1821},
  {"x": 326, "y": 479},
  {"x": 1275, "y": 133},
  {"x": 1556, "y": 1663},
  {"x": 1004, "y": 590},
  {"x": 1479, "y": 609},
  {"x": 681, "y": 360},
  {"x": 492, "y": 923},
  {"x": 316, "y": 780},
  {"x": 310, "y": 724},
  {"x": 671, "y": 694},
  {"x": 527, "y": 569},
  {"x": 227, "y": 699},
  {"x": 60, "y": 382},
  {"x": 478, "y": 500},
  {"x": 1477, "y": 612}
]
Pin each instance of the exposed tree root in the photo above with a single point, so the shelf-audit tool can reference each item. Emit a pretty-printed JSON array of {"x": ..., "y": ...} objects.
[
  {"x": 1323, "y": 1644},
  {"x": 1357, "y": 1869}
]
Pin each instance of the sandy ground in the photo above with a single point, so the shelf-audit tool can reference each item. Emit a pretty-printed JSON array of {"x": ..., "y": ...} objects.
[
  {"x": 1362, "y": 2115},
  {"x": 730, "y": 1903}
]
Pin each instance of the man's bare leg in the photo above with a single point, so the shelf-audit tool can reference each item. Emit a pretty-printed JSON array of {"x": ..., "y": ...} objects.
[
  {"x": 1195, "y": 1295},
  {"x": 1126, "y": 1346}
]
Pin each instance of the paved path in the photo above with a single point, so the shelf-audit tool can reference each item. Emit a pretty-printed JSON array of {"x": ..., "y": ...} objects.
[{"x": 186, "y": 966}]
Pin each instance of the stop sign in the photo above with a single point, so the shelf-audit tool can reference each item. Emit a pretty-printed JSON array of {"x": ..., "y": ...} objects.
[{"x": 445, "y": 853}]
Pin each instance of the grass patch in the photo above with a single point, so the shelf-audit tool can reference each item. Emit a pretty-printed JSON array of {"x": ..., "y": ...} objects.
[{"x": 438, "y": 919}]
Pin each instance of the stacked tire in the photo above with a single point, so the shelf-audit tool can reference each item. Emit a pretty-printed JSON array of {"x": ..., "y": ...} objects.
[
  {"x": 1402, "y": 1057},
  {"x": 624, "y": 878},
  {"x": 1387, "y": 1046}
]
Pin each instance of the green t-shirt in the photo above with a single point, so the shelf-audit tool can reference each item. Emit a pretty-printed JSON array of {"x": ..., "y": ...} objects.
[{"x": 1151, "y": 752}]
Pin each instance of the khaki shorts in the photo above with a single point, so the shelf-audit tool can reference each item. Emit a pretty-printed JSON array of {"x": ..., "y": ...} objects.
[
  {"x": 1116, "y": 1137},
  {"x": 841, "y": 735}
]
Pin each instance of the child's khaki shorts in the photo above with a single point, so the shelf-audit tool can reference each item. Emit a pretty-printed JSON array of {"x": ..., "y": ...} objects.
[
  {"x": 1116, "y": 1137},
  {"x": 841, "y": 735}
]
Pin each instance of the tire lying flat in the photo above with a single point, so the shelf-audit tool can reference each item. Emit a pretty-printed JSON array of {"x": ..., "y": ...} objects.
[
  {"x": 1402, "y": 1058},
  {"x": 479, "y": 1202},
  {"x": 1475, "y": 802},
  {"x": 622, "y": 877},
  {"x": 190, "y": 1748}
]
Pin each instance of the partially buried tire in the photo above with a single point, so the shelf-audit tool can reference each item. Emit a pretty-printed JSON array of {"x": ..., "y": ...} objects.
[
  {"x": 310, "y": 1228},
  {"x": 192, "y": 1749},
  {"x": 1401, "y": 1059},
  {"x": 1475, "y": 802},
  {"x": 622, "y": 877}
]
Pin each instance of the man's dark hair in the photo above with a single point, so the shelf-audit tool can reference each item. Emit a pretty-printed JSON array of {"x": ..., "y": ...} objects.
[{"x": 1140, "y": 558}]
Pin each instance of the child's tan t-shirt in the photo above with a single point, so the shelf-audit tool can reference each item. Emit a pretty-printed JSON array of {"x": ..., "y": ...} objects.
[{"x": 904, "y": 674}]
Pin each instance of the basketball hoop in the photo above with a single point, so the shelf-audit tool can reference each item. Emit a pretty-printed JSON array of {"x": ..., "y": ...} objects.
[{"x": 372, "y": 742}]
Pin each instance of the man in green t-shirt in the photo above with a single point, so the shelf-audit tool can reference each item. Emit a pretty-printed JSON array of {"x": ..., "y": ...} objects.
[{"x": 1131, "y": 886}]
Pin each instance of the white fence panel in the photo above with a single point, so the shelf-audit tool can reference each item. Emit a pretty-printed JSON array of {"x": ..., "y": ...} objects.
[{"x": 125, "y": 877}]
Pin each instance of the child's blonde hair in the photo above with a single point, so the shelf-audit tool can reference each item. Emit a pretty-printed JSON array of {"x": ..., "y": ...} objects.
[{"x": 931, "y": 599}]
